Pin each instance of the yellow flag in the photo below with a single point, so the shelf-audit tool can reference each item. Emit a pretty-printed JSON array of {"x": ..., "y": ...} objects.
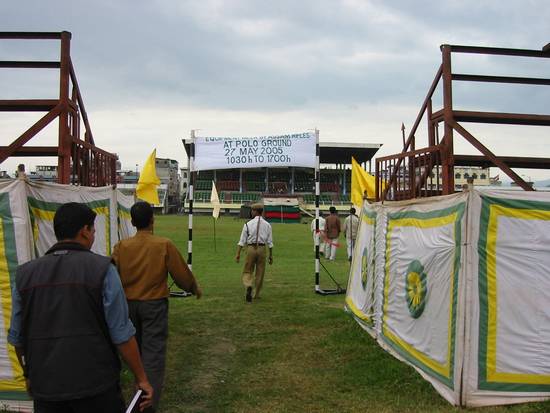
[
  {"x": 361, "y": 181},
  {"x": 149, "y": 181}
]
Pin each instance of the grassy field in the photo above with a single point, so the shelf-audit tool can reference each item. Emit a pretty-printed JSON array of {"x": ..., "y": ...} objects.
[{"x": 290, "y": 351}]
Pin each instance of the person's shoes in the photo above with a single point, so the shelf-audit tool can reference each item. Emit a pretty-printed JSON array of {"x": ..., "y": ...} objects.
[{"x": 248, "y": 294}]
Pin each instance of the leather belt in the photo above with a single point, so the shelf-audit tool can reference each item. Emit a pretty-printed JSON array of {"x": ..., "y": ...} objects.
[{"x": 259, "y": 245}]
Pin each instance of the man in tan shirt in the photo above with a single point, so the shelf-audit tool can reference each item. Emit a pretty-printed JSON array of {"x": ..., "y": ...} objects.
[
  {"x": 255, "y": 236},
  {"x": 144, "y": 262}
]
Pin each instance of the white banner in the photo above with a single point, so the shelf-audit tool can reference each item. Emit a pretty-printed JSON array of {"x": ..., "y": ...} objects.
[{"x": 296, "y": 149}]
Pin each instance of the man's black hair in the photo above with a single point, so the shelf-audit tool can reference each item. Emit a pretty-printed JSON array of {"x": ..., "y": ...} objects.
[
  {"x": 71, "y": 218},
  {"x": 142, "y": 213},
  {"x": 352, "y": 211},
  {"x": 332, "y": 210}
]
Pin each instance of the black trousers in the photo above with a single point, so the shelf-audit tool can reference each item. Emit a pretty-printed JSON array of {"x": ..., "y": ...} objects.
[
  {"x": 150, "y": 318},
  {"x": 109, "y": 401}
]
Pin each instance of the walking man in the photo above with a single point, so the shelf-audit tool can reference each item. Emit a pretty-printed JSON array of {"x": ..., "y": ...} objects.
[
  {"x": 319, "y": 235},
  {"x": 69, "y": 317},
  {"x": 144, "y": 262},
  {"x": 255, "y": 236},
  {"x": 332, "y": 231},
  {"x": 351, "y": 227}
]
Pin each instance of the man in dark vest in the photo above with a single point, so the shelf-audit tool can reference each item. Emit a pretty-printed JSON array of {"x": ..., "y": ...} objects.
[{"x": 69, "y": 317}]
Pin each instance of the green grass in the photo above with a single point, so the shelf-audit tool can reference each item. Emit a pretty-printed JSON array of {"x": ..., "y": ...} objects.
[{"x": 290, "y": 351}]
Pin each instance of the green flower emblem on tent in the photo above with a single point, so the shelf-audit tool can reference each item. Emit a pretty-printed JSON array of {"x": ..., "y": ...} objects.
[
  {"x": 364, "y": 268},
  {"x": 417, "y": 289}
]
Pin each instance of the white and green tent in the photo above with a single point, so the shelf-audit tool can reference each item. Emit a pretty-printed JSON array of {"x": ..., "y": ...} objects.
[
  {"x": 26, "y": 232},
  {"x": 458, "y": 287}
]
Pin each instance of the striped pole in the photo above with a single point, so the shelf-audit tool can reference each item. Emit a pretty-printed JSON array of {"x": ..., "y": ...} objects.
[
  {"x": 317, "y": 194},
  {"x": 191, "y": 185}
]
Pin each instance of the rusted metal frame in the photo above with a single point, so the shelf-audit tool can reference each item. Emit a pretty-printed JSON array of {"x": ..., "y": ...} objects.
[
  {"x": 64, "y": 160},
  {"x": 397, "y": 189},
  {"x": 88, "y": 135},
  {"x": 430, "y": 176},
  {"x": 431, "y": 134},
  {"x": 74, "y": 168},
  {"x": 99, "y": 170},
  {"x": 84, "y": 162},
  {"x": 438, "y": 116},
  {"x": 402, "y": 155},
  {"x": 113, "y": 172},
  {"x": 500, "y": 51},
  {"x": 428, "y": 165},
  {"x": 416, "y": 124},
  {"x": 104, "y": 173},
  {"x": 439, "y": 177},
  {"x": 77, "y": 164},
  {"x": 447, "y": 163},
  {"x": 422, "y": 181},
  {"x": 388, "y": 163},
  {"x": 103, "y": 177},
  {"x": 501, "y": 79},
  {"x": 76, "y": 120},
  {"x": 97, "y": 165},
  {"x": 412, "y": 176},
  {"x": 29, "y": 133},
  {"x": 423, "y": 107},
  {"x": 94, "y": 148},
  {"x": 84, "y": 166},
  {"x": 24, "y": 64},
  {"x": 491, "y": 156},
  {"x": 423, "y": 176},
  {"x": 32, "y": 35}
]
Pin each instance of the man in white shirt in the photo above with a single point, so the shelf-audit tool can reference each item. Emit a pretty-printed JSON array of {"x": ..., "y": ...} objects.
[
  {"x": 256, "y": 235},
  {"x": 351, "y": 227},
  {"x": 319, "y": 235}
]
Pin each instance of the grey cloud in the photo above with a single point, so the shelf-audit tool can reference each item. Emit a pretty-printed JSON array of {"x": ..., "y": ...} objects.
[{"x": 260, "y": 55}]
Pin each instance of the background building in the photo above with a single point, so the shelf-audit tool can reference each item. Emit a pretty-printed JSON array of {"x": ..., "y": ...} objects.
[
  {"x": 167, "y": 171},
  {"x": 480, "y": 176}
]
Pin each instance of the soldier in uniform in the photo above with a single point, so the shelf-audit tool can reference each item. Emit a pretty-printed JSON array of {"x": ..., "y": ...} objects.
[{"x": 255, "y": 236}]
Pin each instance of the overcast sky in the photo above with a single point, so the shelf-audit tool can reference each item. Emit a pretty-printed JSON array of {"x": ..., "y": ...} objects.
[{"x": 150, "y": 71}]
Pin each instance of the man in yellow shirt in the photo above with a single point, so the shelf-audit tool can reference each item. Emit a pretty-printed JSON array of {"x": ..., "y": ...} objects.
[{"x": 144, "y": 262}]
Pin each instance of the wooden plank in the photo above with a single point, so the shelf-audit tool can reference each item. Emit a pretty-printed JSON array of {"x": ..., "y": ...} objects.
[
  {"x": 501, "y": 79},
  {"x": 502, "y": 118},
  {"x": 511, "y": 161},
  {"x": 28, "y": 105},
  {"x": 501, "y": 51},
  {"x": 32, "y": 151}
]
